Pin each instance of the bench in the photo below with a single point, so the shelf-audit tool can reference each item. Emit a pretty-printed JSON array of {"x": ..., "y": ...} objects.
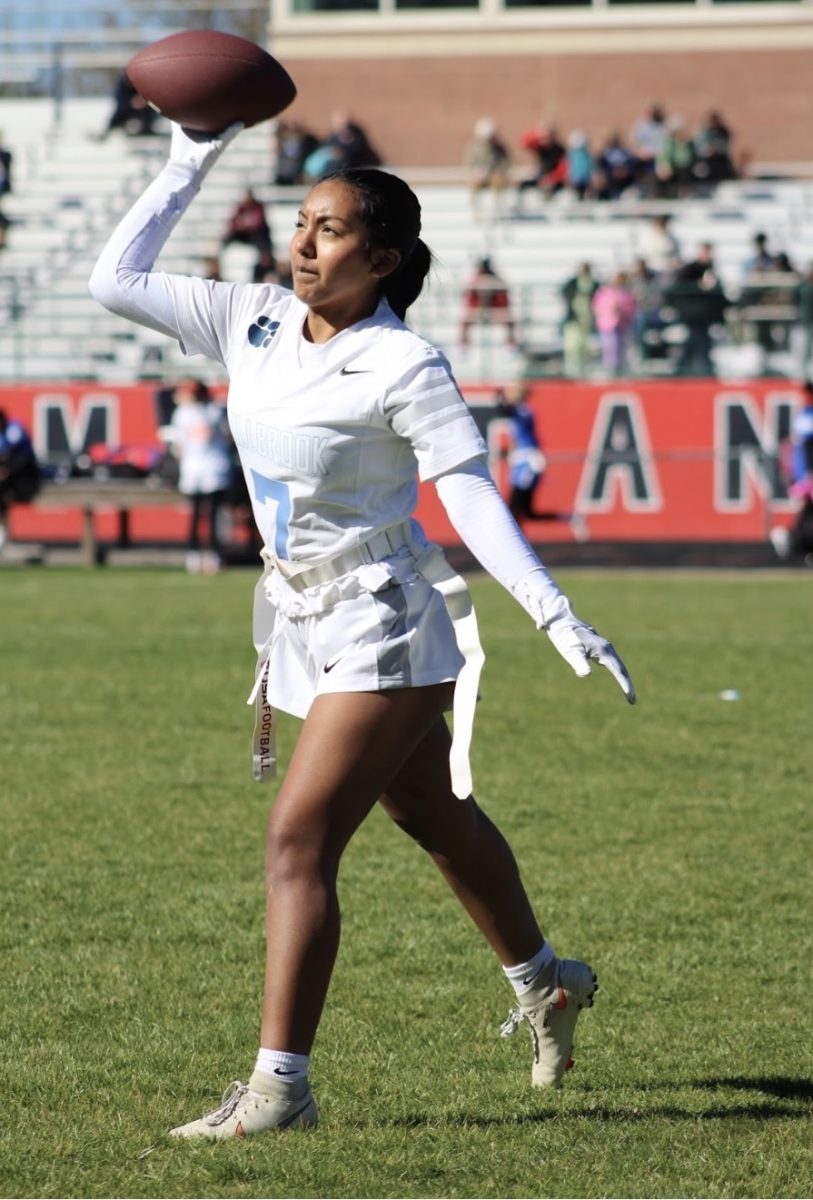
[{"x": 93, "y": 495}]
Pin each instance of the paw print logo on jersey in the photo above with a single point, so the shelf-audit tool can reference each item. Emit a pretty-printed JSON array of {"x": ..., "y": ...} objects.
[{"x": 262, "y": 331}]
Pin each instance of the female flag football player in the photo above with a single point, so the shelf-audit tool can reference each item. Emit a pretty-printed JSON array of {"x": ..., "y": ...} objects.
[{"x": 361, "y": 627}]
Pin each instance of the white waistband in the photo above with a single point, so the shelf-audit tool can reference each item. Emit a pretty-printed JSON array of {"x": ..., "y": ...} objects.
[{"x": 380, "y": 545}]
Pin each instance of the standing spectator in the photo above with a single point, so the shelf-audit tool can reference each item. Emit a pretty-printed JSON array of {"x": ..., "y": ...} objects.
[
  {"x": 19, "y": 469},
  {"x": 577, "y": 330},
  {"x": 658, "y": 246},
  {"x": 647, "y": 288},
  {"x": 712, "y": 143},
  {"x": 198, "y": 435},
  {"x": 486, "y": 302},
  {"x": 760, "y": 273},
  {"x": 804, "y": 297},
  {"x": 248, "y": 225},
  {"x": 580, "y": 164},
  {"x": 292, "y": 143},
  {"x": 698, "y": 298},
  {"x": 617, "y": 167},
  {"x": 614, "y": 307},
  {"x": 646, "y": 140},
  {"x": 488, "y": 164},
  {"x": 551, "y": 162},
  {"x": 527, "y": 462},
  {"x": 797, "y": 542}
]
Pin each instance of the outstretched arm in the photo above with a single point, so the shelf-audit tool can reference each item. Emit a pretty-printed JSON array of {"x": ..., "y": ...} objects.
[{"x": 483, "y": 521}]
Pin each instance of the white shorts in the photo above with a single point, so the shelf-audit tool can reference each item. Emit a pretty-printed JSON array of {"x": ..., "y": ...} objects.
[
  {"x": 379, "y": 626},
  {"x": 405, "y": 620}
]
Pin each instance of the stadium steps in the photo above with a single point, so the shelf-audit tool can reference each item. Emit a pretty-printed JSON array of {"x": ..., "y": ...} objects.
[{"x": 70, "y": 190}]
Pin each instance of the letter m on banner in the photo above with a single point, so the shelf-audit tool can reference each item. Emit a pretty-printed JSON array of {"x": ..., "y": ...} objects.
[{"x": 65, "y": 424}]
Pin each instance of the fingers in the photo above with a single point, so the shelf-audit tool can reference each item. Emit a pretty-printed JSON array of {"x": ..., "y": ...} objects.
[{"x": 609, "y": 659}]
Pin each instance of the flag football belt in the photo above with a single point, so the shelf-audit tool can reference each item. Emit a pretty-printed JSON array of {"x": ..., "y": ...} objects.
[{"x": 431, "y": 563}]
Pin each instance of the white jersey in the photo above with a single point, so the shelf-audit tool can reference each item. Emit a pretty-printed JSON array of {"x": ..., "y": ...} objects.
[
  {"x": 205, "y": 465},
  {"x": 331, "y": 437}
]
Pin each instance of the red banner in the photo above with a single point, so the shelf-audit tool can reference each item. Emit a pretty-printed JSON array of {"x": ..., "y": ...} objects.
[{"x": 676, "y": 460}]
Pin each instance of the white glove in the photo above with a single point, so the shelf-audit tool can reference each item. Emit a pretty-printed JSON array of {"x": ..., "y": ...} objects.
[
  {"x": 576, "y": 641},
  {"x": 199, "y": 150}
]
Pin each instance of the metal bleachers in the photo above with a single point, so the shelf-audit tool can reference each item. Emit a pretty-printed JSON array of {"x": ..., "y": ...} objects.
[{"x": 70, "y": 189}]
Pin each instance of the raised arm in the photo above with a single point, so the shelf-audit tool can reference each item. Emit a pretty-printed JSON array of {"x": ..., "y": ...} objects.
[{"x": 123, "y": 279}]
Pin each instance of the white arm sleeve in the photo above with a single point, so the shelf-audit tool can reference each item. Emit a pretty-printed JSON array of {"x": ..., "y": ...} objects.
[
  {"x": 479, "y": 514},
  {"x": 483, "y": 521},
  {"x": 122, "y": 279}
]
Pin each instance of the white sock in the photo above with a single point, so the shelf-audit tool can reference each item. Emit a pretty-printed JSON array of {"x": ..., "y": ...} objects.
[
  {"x": 525, "y": 975},
  {"x": 281, "y": 1065}
]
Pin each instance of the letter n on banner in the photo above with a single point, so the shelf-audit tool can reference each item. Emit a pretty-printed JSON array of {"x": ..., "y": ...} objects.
[
  {"x": 620, "y": 463},
  {"x": 746, "y": 443}
]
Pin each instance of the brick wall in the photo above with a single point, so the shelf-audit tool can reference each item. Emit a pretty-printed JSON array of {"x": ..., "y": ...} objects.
[{"x": 419, "y": 110}]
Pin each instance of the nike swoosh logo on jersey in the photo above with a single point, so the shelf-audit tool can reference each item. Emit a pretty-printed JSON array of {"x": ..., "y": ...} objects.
[
  {"x": 349, "y": 371},
  {"x": 330, "y": 666}
]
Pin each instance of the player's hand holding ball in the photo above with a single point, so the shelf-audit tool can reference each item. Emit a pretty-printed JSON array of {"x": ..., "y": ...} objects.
[
  {"x": 200, "y": 150},
  {"x": 210, "y": 85}
]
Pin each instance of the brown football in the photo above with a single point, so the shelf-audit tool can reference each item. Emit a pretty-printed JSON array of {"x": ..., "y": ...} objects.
[{"x": 206, "y": 80}]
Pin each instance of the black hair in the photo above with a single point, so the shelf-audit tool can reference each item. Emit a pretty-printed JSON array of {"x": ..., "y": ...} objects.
[{"x": 392, "y": 213}]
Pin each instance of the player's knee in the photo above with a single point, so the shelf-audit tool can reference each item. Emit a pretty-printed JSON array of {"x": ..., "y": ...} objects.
[{"x": 295, "y": 852}]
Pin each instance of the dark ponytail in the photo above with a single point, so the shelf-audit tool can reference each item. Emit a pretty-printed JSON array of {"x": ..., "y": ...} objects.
[{"x": 392, "y": 213}]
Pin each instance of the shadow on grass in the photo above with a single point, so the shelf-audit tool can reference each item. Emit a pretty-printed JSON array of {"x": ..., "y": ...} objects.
[{"x": 778, "y": 1087}]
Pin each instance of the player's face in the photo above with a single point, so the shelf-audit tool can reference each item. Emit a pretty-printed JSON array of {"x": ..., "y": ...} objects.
[{"x": 332, "y": 272}]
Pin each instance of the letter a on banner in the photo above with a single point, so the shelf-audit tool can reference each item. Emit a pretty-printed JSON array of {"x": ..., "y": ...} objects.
[{"x": 620, "y": 463}]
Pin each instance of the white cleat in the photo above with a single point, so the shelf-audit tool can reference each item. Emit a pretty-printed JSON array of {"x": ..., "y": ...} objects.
[
  {"x": 243, "y": 1112},
  {"x": 552, "y": 1012}
]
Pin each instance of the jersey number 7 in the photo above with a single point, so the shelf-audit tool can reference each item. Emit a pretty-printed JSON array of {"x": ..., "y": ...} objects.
[{"x": 271, "y": 489}]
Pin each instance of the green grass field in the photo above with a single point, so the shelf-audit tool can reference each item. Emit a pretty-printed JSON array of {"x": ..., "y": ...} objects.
[{"x": 670, "y": 844}]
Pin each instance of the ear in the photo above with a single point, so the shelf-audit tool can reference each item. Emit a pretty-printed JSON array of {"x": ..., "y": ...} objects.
[{"x": 384, "y": 262}]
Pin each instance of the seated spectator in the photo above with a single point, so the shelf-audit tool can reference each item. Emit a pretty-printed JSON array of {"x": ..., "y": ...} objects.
[
  {"x": 6, "y": 163},
  {"x": 658, "y": 246},
  {"x": 20, "y": 477},
  {"x": 248, "y": 225},
  {"x": 617, "y": 169},
  {"x": 487, "y": 163},
  {"x": 550, "y": 175},
  {"x": 580, "y": 165},
  {"x": 760, "y": 259},
  {"x": 674, "y": 166},
  {"x": 614, "y": 308},
  {"x": 269, "y": 269},
  {"x": 347, "y": 145},
  {"x": 486, "y": 302},
  {"x": 579, "y": 325},
  {"x": 351, "y": 143},
  {"x": 697, "y": 297},
  {"x": 131, "y": 112},
  {"x": 646, "y": 140},
  {"x": 712, "y": 143},
  {"x": 292, "y": 143}
]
